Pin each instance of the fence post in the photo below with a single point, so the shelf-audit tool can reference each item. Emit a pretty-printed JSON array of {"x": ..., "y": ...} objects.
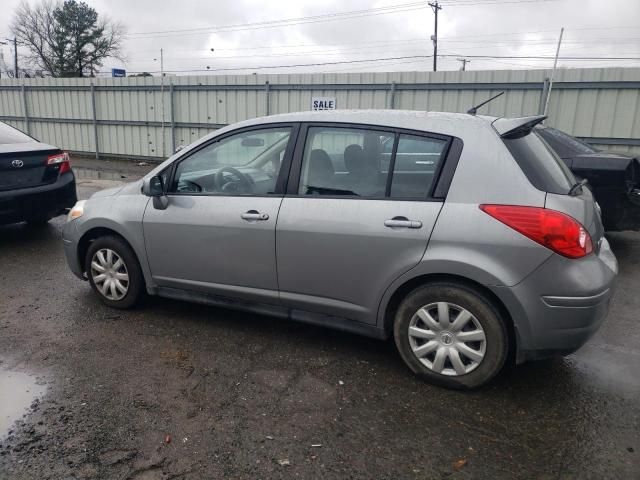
[
  {"x": 543, "y": 96},
  {"x": 95, "y": 119},
  {"x": 392, "y": 95},
  {"x": 26, "y": 109},
  {"x": 266, "y": 93},
  {"x": 173, "y": 119}
]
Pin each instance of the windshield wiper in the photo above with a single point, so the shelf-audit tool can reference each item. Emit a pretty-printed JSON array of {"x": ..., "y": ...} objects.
[{"x": 578, "y": 186}]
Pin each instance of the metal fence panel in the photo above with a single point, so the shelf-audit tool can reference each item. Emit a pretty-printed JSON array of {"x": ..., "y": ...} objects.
[{"x": 148, "y": 116}]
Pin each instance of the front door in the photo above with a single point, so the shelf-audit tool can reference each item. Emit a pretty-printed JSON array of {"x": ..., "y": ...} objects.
[
  {"x": 359, "y": 215},
  {"x": 217, "y": 234}
]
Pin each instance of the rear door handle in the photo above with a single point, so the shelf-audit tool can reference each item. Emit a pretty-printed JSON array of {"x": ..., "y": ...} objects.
[
  {"x": 402, "y": 222},
  {"x": 253, "y": 215}
]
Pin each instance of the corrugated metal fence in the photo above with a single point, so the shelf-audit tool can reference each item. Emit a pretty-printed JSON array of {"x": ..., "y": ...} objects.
[{"x": 149, "y": 116}]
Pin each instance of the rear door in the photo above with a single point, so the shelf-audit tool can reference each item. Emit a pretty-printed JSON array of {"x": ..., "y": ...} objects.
[{"x": 356, "y": 215}]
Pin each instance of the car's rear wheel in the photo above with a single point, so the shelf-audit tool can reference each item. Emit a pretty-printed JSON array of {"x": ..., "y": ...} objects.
[
  {"x": 114, "y": 272},
  {"x": 451, "y": 335}
]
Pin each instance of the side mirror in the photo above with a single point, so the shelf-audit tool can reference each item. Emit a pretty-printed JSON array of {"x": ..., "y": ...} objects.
[{"x": 152, "y": 187}]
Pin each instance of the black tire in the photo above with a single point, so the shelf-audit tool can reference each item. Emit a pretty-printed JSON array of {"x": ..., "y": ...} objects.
[
  {"x": 125, "y": 252},
  {"x": 496, "y": 335}
]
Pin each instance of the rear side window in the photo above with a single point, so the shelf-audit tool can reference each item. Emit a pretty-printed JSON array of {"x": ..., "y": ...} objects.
[
  {"x": 12, "y": 135},
  {"x": 345, "y": 161},
  {"x": 540, "y": 164},
  {"x": 417, "y": 161}
]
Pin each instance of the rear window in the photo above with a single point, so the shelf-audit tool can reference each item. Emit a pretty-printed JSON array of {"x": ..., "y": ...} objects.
[
  {"x": 540, "y": 164},
  {"x": 9, "y": 134},
  {"x": 565, "y": 145}
]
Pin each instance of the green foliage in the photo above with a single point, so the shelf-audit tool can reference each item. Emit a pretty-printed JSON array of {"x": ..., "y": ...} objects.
[{"x": 66, "y": 39}]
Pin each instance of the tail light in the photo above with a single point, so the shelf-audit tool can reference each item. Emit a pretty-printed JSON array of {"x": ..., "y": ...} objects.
[
  {"x": 554, "y": 230},
  {"x": 61, "y": 159}
]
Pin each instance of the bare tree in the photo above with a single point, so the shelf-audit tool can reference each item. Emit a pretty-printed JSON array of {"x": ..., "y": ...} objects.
[{"x": 66, "y": 39}]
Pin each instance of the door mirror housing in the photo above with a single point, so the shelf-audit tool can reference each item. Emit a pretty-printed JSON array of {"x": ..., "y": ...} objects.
[{"x": 152, "y": 187}]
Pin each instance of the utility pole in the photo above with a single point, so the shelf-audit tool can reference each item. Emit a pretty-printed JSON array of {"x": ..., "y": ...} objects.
[
  {"x": 434, "y": 38},
  {"x": 162, "y": 96},
  {"x": 464, "y": 63},
  {"x": 555, "y": 63},
  {"x": 15, "y": 55}
]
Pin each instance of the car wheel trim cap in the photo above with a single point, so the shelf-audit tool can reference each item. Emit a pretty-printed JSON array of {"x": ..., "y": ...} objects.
[
  {"x": 109, "y": 274},
  {"x": 447, "y": 339}
]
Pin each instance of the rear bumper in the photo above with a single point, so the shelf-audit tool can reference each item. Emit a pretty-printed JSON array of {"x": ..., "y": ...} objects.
[
  {"x": 562, "y": 304},
  {"x": 36, "y": 202}
]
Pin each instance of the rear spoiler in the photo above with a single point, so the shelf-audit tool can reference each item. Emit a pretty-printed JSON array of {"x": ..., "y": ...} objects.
[{"x": 516, "y": 127}]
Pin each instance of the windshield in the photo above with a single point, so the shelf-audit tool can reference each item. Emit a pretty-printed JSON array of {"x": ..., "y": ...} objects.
[
  {"x": 544, "y": 169},
  {"x": 565, "y": 145},
  {"x": 8, "y": 134}
]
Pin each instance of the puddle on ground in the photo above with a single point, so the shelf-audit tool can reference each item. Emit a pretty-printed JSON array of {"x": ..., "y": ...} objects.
[{"x": 17, "y": 391}]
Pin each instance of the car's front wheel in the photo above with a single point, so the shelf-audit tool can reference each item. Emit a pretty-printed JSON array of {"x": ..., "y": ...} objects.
[
  {"x": 114, "y": 272},
  {"x": 451, "y": 335}
]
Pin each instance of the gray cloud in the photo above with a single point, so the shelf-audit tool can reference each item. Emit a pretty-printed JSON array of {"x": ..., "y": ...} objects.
[{"x": 483, "y": 29}]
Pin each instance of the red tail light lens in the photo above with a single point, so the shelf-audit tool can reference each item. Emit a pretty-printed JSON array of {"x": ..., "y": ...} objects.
[
  {"x": 61, "y": 159},
  {"x": 554, "y": 230}
]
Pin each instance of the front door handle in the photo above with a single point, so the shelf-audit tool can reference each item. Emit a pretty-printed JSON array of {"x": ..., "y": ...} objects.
[
  {"x": 253, "y": 215},
  {"x": 402, "y": 222}
]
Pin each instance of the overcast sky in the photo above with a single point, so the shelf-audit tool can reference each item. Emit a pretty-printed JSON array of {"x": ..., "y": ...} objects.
[{"x": 187, "y": 31}]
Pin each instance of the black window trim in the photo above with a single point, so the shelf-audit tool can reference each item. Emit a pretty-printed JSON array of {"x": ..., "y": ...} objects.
[
  {"x": 442, "y": 177},
  {"x": 281, "y": 181}
]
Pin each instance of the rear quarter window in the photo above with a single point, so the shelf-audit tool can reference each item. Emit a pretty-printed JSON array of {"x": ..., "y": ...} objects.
[
  {"x": 544, "y": 169},
  {"x": 9, "y": 134}
]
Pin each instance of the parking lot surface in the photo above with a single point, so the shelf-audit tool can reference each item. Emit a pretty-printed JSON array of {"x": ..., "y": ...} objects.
[{"x": 173, "y": 390}]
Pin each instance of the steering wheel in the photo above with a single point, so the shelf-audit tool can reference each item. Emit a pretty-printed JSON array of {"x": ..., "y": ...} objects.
[
  {"x": 239, "y": 182},
  {"x": 187, "y": 186}
]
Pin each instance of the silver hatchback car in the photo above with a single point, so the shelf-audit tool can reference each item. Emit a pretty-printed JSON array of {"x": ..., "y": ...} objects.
[{"x": 464, "y": 237}]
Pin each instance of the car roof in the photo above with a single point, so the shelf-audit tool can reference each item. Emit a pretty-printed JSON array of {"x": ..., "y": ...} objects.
[{"x": 438, "y": 122}]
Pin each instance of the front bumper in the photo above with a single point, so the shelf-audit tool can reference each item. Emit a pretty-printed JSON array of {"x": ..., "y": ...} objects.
[
  {"x": 37, "y": 202},
  {"x": 70, "y": 244},
  {"x": 557, "y": 308}
]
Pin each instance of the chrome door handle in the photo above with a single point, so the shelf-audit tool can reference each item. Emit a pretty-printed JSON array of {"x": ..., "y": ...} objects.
[
  {"x": 402, "y": 222},
  {"x": 254, "y": 215}
]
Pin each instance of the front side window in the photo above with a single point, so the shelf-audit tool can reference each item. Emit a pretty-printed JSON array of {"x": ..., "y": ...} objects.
[
  {"x": 246, "y": 163},
  {"x": 345, "y": 161}
]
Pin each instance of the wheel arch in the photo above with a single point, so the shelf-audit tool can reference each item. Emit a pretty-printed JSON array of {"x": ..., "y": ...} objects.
[
  {"x": 93, "y": 234},
  {"x": 411, "y": 284}
]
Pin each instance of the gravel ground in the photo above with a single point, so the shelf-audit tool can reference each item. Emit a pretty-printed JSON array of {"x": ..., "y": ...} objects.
[{"x": 172, "y": 390}]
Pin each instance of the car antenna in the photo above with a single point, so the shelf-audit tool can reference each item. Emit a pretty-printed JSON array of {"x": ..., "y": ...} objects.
[{"x": 473, "y": 110}]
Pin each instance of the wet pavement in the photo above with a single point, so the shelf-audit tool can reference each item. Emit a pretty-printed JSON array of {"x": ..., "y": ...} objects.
[
  {"x": 21, "y": 391},
  {"x": 172, "y": 390}
]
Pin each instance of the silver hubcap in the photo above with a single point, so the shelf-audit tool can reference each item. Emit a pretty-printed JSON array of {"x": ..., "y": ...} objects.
[
  {"x": 447, "y": 339},
  {"x": 109, "y": 274}
]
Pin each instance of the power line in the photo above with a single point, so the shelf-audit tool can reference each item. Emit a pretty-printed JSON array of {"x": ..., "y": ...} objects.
[
  {"x": 406, "y": 57},
  {"x": 281, "y": 23}
]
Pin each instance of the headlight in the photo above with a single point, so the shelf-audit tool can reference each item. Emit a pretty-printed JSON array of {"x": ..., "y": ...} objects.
[{"x": 76, "y": 211}]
